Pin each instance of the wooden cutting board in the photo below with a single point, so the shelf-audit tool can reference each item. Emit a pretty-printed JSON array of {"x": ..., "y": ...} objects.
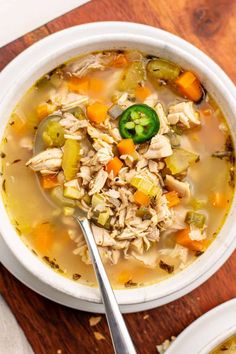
[{"x": 52, "y": 328}]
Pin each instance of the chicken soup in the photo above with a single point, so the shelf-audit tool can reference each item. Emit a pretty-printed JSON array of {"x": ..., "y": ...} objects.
[{"x": 137, "y": 143}]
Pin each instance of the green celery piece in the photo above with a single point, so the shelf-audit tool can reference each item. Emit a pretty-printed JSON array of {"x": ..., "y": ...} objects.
[
  {"x": 180, "y": 160},
  {"x": 97, "y": 199},
  {"x": 196, "y": 219},
  {"x": 70, "y": 158},
  {"x": 133, "y": 75},
  {"x": 103, "y": 217},
  {"x": 72, "y": 193}
]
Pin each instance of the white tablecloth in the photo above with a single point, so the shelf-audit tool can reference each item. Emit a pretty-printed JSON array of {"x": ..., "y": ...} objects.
[
  {"x": 17, "y": 17},
  {"x": 12, "y": 338}
]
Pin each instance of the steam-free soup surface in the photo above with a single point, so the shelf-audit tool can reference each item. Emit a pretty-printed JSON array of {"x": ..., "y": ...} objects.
[{"x": 175, "y": 221}]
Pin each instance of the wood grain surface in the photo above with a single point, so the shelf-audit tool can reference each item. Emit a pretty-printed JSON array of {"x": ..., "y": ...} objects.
[{"x": 52, "y": 328}]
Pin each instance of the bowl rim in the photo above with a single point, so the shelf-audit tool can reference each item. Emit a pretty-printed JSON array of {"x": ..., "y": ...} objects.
[
  {"x": 222, "y": 323},
  {"x": 52, "y": 47}
]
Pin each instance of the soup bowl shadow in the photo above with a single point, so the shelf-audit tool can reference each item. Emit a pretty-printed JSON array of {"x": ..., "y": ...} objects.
[{"x": 52, "y": 51}]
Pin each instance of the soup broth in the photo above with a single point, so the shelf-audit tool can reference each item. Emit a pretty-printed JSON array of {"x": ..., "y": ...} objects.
[
  {"x": 190, "y": 202},
  {"x": 228, "y": 347}
]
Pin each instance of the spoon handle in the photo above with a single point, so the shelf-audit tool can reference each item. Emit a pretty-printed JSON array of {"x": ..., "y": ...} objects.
[{"x": 120, "y": 336}]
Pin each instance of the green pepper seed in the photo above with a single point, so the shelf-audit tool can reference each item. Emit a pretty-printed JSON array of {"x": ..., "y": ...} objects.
[
  {"x": 130, "y": 125},
  {"x": 144, "y": 121},
  {"x": 134, "y": 115},
  {"x": 139, "y": 129}
]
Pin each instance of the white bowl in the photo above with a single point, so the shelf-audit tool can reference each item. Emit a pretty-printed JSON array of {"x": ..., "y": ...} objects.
[
  {"x": 45, "y": 55},
  {"x": 207, "y": 332}
]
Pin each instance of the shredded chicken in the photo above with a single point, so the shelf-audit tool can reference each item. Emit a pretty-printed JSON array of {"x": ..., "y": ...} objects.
[
  {"x": 182, "y": 188},
  {"x": 196, "y": 234},
  {"x": 184, "y": 113},
  {"x": 47, "y": 162},
  {"x": 97, "y": 184},
  {"x": 159, "y": 147},
  {"x": 87, "y": 63},
  {"x": 164, "y": 124}
]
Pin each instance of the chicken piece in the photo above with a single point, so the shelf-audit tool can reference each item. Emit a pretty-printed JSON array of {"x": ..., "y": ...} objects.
[
  {"x": 88, "y": 63},
  {"x": 115, "y": 134},
  {"x": 182, "y": 188},
  {"x": 102, "y": 237},
  {"x": 178, "y": 252},
  {"x": 149, "y": 258},
  {"x": 137, "y": 245},
  {"x": 184, "y": 113},
  {"x": 104, "y": 152},
  {"x": 164, "y": 214},
  {"x": 47, "y": 162},
  {"x": 178, "y": 217},
  {"x": 98, "y": 183},
  {"x": 124, "y": 101},
  {"x": 61, "y": 97},
  {"x": 164, "y": 124},
  {"x": 151, "y": 100},
  {"x": 72, "y": 124},
  {"x": 85, "y": 174},
  {"x": 159, "y": 147},
  {"x": 153, "y": 167},
  {"x": 196, "y": 234},
  {"x": 97, "y": 134}
]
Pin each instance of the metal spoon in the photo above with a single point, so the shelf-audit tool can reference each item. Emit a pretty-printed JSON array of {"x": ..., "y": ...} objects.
[{"x": 119, "y": 333}]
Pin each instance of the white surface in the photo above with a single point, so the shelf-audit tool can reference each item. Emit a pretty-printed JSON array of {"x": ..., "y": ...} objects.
[
  {"x": 207, "y": 331},
  {"x": 12, "y": 338},
  {"x": 17, "y": 17},
  {"x": 55, "y": 49}
]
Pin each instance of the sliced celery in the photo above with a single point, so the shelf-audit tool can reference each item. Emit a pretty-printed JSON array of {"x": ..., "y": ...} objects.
[
  {"x": 195, "y": 219},
  {"x": 53, "y": 134},
  {"x": 103, "y": 217},
  {"x": 58, "y": 197},
  {"x": 97, "y": 199},
  {"x": 70, "y": 158},
  {"x": 132, "y": 76},
  {"x": 68, "y": 211},
  {"x": 180, "y": 160},
  {"x": 163, "y": 69},
  {"x": 146, "y": 186},
  {"x": 72, "y": 193}
]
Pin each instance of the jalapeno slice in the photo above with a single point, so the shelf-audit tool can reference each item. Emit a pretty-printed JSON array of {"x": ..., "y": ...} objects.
[{"x": 139, "y": 122}]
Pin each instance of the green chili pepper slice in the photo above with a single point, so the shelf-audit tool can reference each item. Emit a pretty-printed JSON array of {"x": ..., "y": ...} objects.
[{"x": 139, "y": 122}]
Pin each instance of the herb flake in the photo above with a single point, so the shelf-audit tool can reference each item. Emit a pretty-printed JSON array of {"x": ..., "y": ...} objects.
[{"x": 167, "y": 267}]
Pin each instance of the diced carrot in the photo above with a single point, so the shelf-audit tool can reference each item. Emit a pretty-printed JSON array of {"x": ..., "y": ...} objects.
[
  {"x": 120, "y": 61},
  {"x": 124, "y": 277},
  {"x": 219, "y": 200},
  {"x": 78, "y": 85},
  {"x": 44, "y": 109},
  {"x": 142, "y": 93},
  {"x": 189, "y": 86},
  {"x": 172, "y": 199},
  {"x": 49, "y": 181},
  {"x": 114, "y": 165},
  {"x": 96, "y": 86},
  {"x": 97, "y": 112},
  {"x": 42, "y": 237},
  {"x": 182, "y": 237},
  {"x": 141, "y": 198},
  {"x": 18, "y": 124},
  {"x": 126, "y": 147}
]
